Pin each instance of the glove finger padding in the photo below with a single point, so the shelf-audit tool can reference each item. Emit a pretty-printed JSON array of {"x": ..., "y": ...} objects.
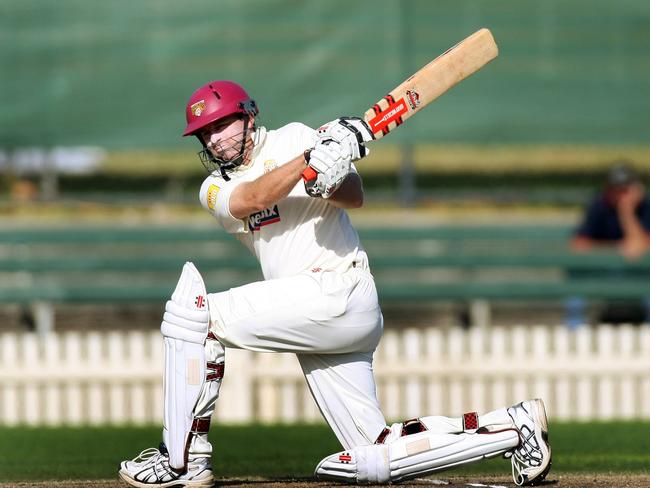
[
  {"x": 332, "y": 164},
  {"x": 327, "y": 153},
  {"x": 348, "y": 142},
  {"x": 355, "y": 125},
  {"x": 361, "y": 126},
  {"x": 352, "y": 132},
  {"x": 331, "y": 181}
]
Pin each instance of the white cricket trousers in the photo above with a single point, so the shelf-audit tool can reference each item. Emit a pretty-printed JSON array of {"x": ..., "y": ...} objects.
[{"x": 332, "y": 322}]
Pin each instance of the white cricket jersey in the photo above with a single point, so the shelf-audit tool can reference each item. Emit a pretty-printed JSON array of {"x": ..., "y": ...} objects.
[{"x": 300, "y": 232}]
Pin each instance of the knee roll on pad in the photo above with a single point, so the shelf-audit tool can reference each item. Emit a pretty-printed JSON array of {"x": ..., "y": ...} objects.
[
  {"x": 184, "y": 324},
  {"x": 186, "y": 314}
]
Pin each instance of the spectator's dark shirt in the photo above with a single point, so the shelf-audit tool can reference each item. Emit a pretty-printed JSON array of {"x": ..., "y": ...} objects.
[{"x": 601, "y": 220}]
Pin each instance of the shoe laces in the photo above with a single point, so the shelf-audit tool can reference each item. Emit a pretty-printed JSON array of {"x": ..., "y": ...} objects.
[
  {"x": 528, "y": 450},
  {"x": 158, "y": 457},
  {"x": 146, "y": 455}
]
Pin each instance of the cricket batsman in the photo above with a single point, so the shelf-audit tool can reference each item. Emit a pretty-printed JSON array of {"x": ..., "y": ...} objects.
[{"x": 318, "y": 300}]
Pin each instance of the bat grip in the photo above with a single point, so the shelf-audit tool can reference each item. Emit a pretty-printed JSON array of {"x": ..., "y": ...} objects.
[{"x": 309, "y": 174}]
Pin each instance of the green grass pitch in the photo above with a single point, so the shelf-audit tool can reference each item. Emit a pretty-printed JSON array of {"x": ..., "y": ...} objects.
[{"x": 286, "y": 450}]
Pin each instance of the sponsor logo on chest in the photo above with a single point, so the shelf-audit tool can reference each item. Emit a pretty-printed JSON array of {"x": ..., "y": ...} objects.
[{"x": 265, "y": 217}]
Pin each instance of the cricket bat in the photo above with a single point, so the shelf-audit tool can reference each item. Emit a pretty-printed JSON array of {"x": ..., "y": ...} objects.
[{"x": 427, "y": 84}]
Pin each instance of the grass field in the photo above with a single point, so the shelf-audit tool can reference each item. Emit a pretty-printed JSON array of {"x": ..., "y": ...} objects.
[{"x": 31, "y": 454}]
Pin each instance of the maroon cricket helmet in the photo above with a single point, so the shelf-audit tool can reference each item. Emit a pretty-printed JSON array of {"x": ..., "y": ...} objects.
[{"x": 214, "y": 101}]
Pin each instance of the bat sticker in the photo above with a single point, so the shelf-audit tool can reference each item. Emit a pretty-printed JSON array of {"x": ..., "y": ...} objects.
[
  {"x": 413, "y": 98},
  {"x": 392, "y": 113}
]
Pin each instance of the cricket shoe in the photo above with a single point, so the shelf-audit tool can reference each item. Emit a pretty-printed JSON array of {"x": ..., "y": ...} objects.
[
  {"x": 151, "y": 468},
  {"x": 531, "y": 459}
]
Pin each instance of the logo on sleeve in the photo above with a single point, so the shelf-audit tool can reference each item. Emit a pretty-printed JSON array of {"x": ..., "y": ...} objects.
[
  {"x": 265, "y": 217},
  {"x": 213, "y": 191}
]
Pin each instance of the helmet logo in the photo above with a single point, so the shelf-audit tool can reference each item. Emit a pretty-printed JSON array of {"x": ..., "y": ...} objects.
[{"x": 197, "y": 108}]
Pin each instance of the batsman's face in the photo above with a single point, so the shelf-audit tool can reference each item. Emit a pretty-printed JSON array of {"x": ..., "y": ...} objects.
[{"x": 224, "y": 138}]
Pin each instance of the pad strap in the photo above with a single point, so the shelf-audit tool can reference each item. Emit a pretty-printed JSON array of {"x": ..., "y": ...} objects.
[
  {"x": 215, "y": 371},
  {"x": 470, "y": 422},
  {"x": 200, "y": 426},
  {"x": 381, "y": 438},
  {"x": 413, "y": 426},
  {"x": 199, "y": 444}
]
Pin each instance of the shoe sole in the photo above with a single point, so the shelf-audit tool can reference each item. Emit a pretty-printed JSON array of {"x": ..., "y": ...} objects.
[{"x": 204, "y": 483}]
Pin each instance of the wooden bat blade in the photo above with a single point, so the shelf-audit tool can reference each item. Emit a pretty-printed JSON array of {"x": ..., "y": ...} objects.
[
  {"x": 431, "y": 81},
  {"x": 427, "y": 84}
]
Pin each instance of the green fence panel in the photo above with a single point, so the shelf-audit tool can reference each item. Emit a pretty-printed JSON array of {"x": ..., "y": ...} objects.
[{"x": 117, "y": 74}]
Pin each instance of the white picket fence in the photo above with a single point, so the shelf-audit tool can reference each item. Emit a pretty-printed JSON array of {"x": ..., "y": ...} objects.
[{"x": 115, "y": 378}]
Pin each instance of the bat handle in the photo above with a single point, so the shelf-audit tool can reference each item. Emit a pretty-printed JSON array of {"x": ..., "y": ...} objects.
[{"x": 309, "y": 174}]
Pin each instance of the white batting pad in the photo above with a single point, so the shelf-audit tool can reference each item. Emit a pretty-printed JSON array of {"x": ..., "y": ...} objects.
[
  {"x": 412, "y": 456},
  {"x": 184, "y": 327}
]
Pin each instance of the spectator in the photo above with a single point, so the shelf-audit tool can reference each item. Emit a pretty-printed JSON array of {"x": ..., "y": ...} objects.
[{"x": 617, "y": 218}]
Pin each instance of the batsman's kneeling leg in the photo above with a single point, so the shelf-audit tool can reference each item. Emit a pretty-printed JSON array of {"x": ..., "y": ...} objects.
[
  {"x": 185, "y": 328},
  {"x": 413, "y": 455}
]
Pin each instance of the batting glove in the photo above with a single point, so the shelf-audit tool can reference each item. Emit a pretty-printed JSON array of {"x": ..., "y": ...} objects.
[
  {"x": 331, "y": 161},
  {"x": 351, "y": 132}
]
